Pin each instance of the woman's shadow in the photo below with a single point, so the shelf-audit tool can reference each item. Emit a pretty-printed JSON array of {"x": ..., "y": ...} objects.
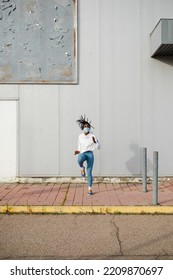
[{"x": 134, "y": 164}]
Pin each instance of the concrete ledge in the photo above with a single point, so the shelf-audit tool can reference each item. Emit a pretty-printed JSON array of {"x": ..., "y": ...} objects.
[
  {"x": 61, "y": 180},
  {"x": 96, "y": 179},
  {"x": 86, "y": 209}
]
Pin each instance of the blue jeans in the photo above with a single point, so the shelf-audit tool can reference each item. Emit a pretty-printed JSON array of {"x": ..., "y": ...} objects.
[{"x": 89, "y": 157}]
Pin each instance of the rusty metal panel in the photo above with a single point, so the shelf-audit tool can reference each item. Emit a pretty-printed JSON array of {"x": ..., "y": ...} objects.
[{"x": 38, "y": 41}]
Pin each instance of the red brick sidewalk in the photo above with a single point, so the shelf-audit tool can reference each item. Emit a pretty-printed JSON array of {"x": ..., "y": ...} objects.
[{"x": 129, "y": 194}]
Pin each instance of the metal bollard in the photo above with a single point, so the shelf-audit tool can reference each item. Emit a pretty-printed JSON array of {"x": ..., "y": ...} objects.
[
  {"x": 144, "y": 169},
  {"x": 155, "y": 178}
]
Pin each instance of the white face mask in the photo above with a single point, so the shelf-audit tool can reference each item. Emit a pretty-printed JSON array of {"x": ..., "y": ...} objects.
[{"x": 86, "y": 129}]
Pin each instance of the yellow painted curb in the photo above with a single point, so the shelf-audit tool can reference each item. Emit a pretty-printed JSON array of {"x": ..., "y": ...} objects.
[{"x": 87, "y": 209}]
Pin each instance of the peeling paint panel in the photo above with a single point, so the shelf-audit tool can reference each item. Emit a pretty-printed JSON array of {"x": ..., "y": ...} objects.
[{"x": 38, "y": 41}]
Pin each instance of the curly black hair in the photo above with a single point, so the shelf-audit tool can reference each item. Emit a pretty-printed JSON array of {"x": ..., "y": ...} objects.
[{"x": 82, "y": 121}]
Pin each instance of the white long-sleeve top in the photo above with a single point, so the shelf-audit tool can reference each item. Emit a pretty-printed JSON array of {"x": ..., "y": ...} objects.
[{"x": 86, "y": 143}]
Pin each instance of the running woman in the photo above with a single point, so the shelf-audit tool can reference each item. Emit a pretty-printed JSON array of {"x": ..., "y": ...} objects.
[{"x": 87, "y": 142}]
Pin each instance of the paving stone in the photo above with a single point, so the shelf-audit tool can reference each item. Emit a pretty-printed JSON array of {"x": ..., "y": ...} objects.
[{"x": 104, "y": 194}]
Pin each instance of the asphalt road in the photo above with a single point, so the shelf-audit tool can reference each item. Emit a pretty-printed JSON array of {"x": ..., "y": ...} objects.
[{"x": 86, "y": 237}]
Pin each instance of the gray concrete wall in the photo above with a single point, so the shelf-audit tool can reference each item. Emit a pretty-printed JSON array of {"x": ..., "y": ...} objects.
[{"x": 127, "y": 95}]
